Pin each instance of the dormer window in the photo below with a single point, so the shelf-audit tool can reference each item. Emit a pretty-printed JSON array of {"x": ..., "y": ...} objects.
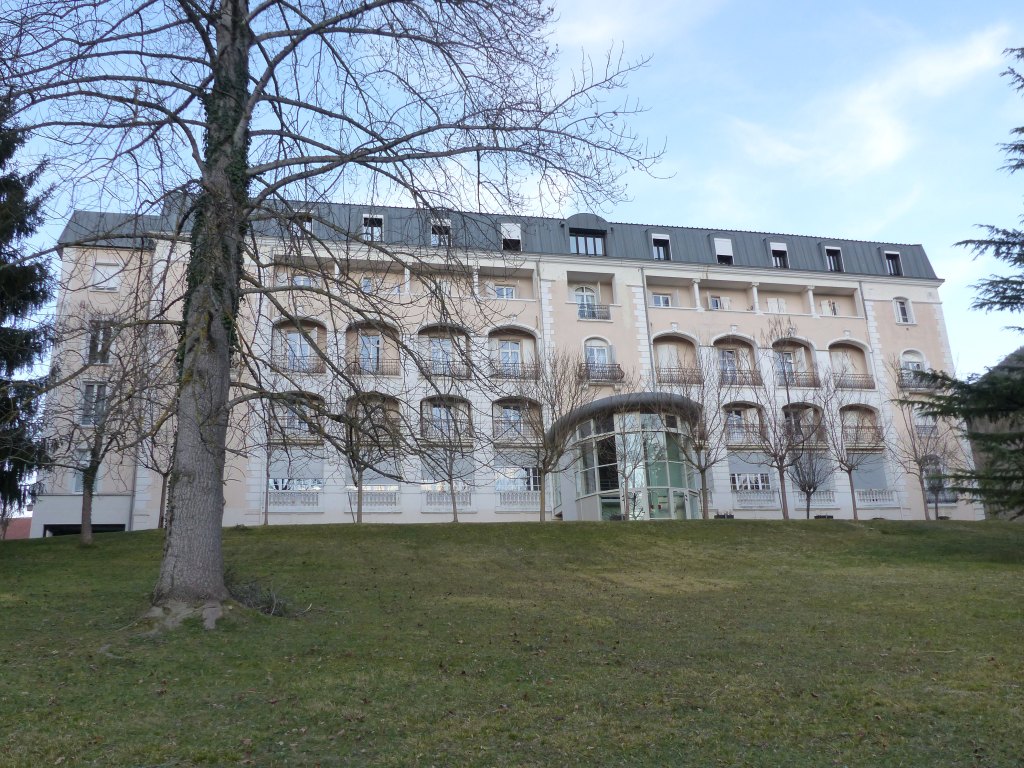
[
  {"x": 780, "y": 255},
  {"x": 511, "y": 236},
  {"x": 586, "y": 242},
  {"x": 660, "y": 248},
  {"x": 441, "y": 234},
  {"x": 893, "y": 266},
  {"x": 834, "y": 259},
  {"x": 373, "y": 229},
  {"x": 723, "y": 251}
]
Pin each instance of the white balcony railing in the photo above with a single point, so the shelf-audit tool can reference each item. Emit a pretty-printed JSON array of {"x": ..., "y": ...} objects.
[
  {"x": 755, "y": 499},
  {"x": 374, "y": 498},
  {"x": 875, "y": 497},
  {"x": 444, "y": 498},
  {"x": 294, "y": 498},
  {"x": 519, "y": 499}
]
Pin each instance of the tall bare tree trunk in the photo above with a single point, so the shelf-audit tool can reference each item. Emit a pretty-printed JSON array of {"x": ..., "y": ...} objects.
[
  {"x": 163, "y": 499},
  {"x": 85, "y": 537},
  {"x": 704, "y": 502},
  {"x": 924, "y": 496},
  {"x": 359, "y": 497},
  {"x": 543, "y": 494},
  {"x": 853, "y": 494},
  {"x": 782, "y": 494},
  {"x": 192, "y": 569}
]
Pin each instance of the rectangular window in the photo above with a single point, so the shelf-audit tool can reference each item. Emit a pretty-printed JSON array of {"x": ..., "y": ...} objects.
[
  {"x": 893, "y": 267},
  {"x": 661, "y": 299},
  {"x": 94, "y": 403},
  {"x": 776, "y": 306},
  {"x": 106, "y": 274},
  {"x": 780, "y": 255},
  {"x": 661, "y": 249},
  {"x": 373, "y": 229},
  {"x": 511, "y": 236},
  {"x": 369, "y": 351},
  {"x": 750, "y": 481},
  {"x": 504, "y": 291},
  {"x": 441, "y": 234},
  {"x": 718, "y": 302},
  {"x": 903, "y": 313},
  {"x": 78, "y": 477},
  {"x": 834, "y": 259},
  {"x": 303, "y": 280},
  {"x": 830, "y": 308},
  {"x": 586, "y": 242},
  {"x": 509, "y": 353},
  {"x": 723, "y": 250},
  {"x": 101, "y": 334},
  {"x": 367, "y": 285}
]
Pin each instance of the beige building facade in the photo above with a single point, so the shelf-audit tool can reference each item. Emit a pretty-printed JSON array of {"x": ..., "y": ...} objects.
[{"x": 445, "y": 323}]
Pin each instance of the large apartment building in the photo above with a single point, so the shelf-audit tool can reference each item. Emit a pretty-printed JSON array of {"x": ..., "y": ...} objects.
[{"x": 450, "y": 325}]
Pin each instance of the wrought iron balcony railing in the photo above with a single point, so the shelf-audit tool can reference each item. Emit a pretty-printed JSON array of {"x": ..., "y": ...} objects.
[
  {"x": 601, "y": 372},
  {"x": 298, "y": 363},
  {"x": 854, "y": 380},
  {"x": 911, "y": 379},
  {"x": 679, "y": 375},
  {"x": 806, "y": 379},
  {"x": 866, "y": 436},
  {"x": 446, "y": 430},
  {"x": 594, "y": 311},
  {"x": 453, "y": 369},
  {"x": 500, "y": 370},
  {"x": 373, "y": 367},
  {"x": 738, "y": 377},
  {"x": 514, "y": 431}
]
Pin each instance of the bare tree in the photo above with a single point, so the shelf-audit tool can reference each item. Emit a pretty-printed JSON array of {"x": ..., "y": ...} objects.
[
  {"x": 540, "y": 394},
  {"x": 698, "y": 380},
  {"x": 852, "y": 432},
  {"x": 813, "y": 469},
  {"x": 243, "y": 106},
  {"x": 924, "y": 446}
]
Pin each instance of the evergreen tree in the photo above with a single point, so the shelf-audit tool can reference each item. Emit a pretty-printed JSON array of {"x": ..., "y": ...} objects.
[
  {"x": 992, "y": 405},
  {"x": 24, "y": 289}
]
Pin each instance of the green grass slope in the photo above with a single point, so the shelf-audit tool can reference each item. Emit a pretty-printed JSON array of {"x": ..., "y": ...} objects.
[{"x": 673, "y": 644}]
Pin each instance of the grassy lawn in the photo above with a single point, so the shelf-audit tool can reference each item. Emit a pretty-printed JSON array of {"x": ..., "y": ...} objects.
[{"x": 719, "y": 644}]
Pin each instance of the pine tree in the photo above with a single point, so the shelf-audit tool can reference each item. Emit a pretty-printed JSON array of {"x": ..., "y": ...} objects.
[
  {"x": 992, "y": 405},
  {"x": 24, "y": 289}
]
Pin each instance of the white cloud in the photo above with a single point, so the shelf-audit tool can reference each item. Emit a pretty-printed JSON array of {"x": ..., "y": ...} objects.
[{"x": 865, "y": 128}]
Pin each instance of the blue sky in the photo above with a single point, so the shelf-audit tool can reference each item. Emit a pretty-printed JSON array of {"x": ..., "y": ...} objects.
[{"x": 869, "y": 120}]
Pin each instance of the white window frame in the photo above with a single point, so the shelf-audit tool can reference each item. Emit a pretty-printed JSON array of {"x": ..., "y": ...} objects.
[
  {"x": 776, "y": 305},
  {"x": 831, "y": 250},
  {"x": 893, "y": 263},
  {"x": 106, "y": 274},
  {"x": 718, "y": 303},
  {"x": 661, "y": 244},
  {"x": 661, "y": 299},
  {"x": 93, "y": 393},
  {"x": 99, "y": 342},
  {"x": 505, "y": 292},
  {"x": 723, "y": 251},
  {"x": 750, "y": 481},
  {"x": 903, "y": 310},
  {"x": 373, "y": 232},
  {"x": 441, "y": 233},
  {"x": 779, "y": 248},
  {"x": 830, "y": 307},
  {"x": 511, "y": 232},
  {"x": 595, "y": 348}
]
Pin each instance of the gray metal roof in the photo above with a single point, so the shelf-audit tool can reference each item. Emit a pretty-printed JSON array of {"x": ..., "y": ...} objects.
[{"x": 540, "y": 236}]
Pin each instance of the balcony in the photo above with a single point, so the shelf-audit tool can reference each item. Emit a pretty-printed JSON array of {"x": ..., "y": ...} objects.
[
  {"x": 375, "y": 499},
  {"x": 755, "y": 500},
  {"x": 854, "y": 381},
  {"x": 443, "y": 499},
  {"x": 820, "y": 498},
  {"x": 373, "y": 367},
  {"x": 804, "y": 379},
  {"x": 601, "y": 372},
  {"x": 452, "y": 369},
  {"x": 293, "y": 498},
  {"x": 298, "y": 363},
  {"x": 514, "y": 431},
  {"x": 875, "y": 497},
  {"x": 911, "y": 379},
  {"x": 519, "y": 500},
  {"x": 677, "y": 375},
  {"x": 862, "y": 437},
  {"x": 743, "y": 434},
  {"x": 926, "y": 430},
  {"x": 446, "y": 430},
  {"x": 594, "y": 311},
  {"x": 942, "y": 496},
  {"x": 739, "y": 377},
  {"x": 500, "y": 370}
]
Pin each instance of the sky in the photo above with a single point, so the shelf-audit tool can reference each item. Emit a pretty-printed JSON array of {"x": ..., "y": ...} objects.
[{"x": 863, "y": 120}]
